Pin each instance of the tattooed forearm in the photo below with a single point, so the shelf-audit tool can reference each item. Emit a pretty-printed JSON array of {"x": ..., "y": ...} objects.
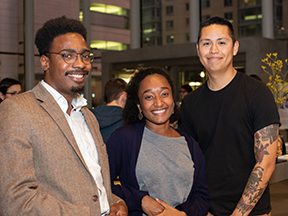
[
  {"x": 264, "y": 138},
  {"x": 265, "y": 145},
  {"x": 252, "y": 191}
]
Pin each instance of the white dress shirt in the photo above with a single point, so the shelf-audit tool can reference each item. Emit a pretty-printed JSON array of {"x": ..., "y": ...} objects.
[{"x": 84, "y": 140}]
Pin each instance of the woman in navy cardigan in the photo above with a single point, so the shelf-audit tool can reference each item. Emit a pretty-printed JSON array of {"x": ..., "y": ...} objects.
[{"x": 161, "y": 170}]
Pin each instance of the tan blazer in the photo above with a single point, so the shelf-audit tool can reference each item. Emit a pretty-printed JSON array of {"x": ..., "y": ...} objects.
[{"x": 42, "y": 171}]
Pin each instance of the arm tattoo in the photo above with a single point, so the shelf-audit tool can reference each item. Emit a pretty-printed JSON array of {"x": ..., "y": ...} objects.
[
  {"x": 266, "y": 134},
  {"x": 253, "y": 191}
]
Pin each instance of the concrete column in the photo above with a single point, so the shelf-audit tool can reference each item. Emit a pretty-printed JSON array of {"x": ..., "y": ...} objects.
[
  {"x": 135, "y": 24},
  {"x": 87, "y": 24},
  {"x": 29, "y": 44},
  {"x": 267, "y": 19},
  {"x": 194, "y": 12}
]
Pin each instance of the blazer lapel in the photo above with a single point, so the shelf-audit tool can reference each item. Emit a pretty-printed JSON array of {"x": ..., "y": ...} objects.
[{"x": 49, "y": 104}]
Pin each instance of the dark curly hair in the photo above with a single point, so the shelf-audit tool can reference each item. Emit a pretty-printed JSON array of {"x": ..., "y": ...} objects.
[
  {"x": 131, "y": 111},
  {"x": 54, "y": 28}
]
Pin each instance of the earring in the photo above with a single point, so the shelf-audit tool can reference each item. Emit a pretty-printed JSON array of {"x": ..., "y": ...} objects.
[{"x": 140, "y": 116}]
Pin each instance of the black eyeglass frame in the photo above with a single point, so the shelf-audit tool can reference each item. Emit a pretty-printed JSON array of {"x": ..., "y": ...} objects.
[{"x": 63, "y": 52}]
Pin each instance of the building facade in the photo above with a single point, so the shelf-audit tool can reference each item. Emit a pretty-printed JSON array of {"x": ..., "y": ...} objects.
[
  {"x": 246, "y": 16},
  {"x": 109, "y": 31}
]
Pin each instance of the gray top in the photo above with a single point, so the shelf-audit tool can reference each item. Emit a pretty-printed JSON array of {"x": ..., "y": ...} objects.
[{"x": 165, "y": 168}]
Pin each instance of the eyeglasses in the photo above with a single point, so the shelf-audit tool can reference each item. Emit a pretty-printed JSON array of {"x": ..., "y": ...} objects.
[
  {"x": 13, "y": 93},
  {"x": 71, "y": 56}
]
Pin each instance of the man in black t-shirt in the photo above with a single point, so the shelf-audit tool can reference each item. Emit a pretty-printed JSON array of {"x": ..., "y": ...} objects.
[{"x": 235, "y": 121}]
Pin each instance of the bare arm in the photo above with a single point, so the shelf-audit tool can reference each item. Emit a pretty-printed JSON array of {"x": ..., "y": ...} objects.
[{"x": 265, "y": 147}]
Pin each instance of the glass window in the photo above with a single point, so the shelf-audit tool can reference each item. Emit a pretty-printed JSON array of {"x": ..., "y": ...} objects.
[
  {"x": 279, "y": 14},
  {"x": 148, "y": 14},
  {"x": 249, "y": 2},
  {"x": 108, "y": 45},
  {"x": 227, "y": 3},
  {"x": 187, "y": 21},
  {"x": 169, "y": 10},
  {"x": 229, "y": 16},
  {"x": 148, "y": 2},
  {"x": 169, "y": 25},
  {"x": 187, "y": 6},
  {"x": 251, "y": 14},
  {"x": 205, "y": 17},
  {"x": 149, "y": 28},
  {"x": 250, "y": 30},
  {"x": 170, "y": 39},
  {"x": 187, "y": 37},
  {"x": 205, "y": 3},
  {"x": 109, "y": 9}
]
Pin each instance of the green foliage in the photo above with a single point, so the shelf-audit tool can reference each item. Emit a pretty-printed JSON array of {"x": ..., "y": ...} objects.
[{"x": 277, "y": 79}]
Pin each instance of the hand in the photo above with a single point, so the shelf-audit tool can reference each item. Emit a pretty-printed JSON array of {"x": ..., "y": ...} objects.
[
  {"x": 119, "y": 209},
  {"x": 169, "y": 210},
  {"x": 151, "y": 207}
]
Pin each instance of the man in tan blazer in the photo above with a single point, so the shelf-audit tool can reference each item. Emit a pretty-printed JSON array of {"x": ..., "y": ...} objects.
[{"x": 52, "y": 157}]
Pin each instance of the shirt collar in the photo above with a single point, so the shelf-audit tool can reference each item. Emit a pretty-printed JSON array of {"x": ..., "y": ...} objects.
[{"x": 77, "y": 102}]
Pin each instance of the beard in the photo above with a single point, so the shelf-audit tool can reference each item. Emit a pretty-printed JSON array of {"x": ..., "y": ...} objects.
[{"x": 76, "y": 90}]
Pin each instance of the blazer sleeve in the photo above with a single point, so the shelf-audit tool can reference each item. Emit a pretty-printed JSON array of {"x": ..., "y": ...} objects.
[
  {"x": 198, "y": 202},
  {"x": 121, "y": 149}
]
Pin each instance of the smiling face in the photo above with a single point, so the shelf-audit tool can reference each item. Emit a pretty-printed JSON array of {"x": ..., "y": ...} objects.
[
  {"x": 65, "y": 78},
  {"x": 216, "y": 49},
  {"x": 156, "y": 100}
]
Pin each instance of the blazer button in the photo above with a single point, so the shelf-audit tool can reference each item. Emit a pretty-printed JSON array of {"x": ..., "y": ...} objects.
[{"x": 95, "y": 198}]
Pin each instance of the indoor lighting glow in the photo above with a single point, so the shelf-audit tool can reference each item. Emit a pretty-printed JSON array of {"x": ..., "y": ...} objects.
[
  {"x": 109, "y": 9},
  {"x": 253, "y": 17},
  {"x": 202, "y": 74},
  {"x": 195, "y": 83},
  {"x": 126, "y": 80},
  {"x": 108, "y": 45}
]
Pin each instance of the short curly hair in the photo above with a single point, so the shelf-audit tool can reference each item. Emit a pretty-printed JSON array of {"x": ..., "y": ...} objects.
[
  {"x": 130, "y": 111},
  {"x": 54, "y": 28}
]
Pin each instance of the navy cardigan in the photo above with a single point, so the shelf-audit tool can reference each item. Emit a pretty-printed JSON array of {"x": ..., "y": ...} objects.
[{"x": 123, "y": 149}]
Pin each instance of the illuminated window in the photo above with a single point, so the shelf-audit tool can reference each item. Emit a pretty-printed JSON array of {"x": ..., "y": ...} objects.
[
  {"x": 170, "y": 39},
  {"x": 149, "y": 28},
  {"x": 108, "y": 9},
  {"x": 108, "y": 45}
]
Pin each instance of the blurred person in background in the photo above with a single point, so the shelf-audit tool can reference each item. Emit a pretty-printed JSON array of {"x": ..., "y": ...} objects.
[
  {"x": 109, "y": 116},
  {"x": 8, "y": 88},
  {"x": 184, "y": 90}
]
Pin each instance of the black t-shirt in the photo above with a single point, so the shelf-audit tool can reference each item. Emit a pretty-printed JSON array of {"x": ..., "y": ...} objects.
[{"x": 224, "y": 122}]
